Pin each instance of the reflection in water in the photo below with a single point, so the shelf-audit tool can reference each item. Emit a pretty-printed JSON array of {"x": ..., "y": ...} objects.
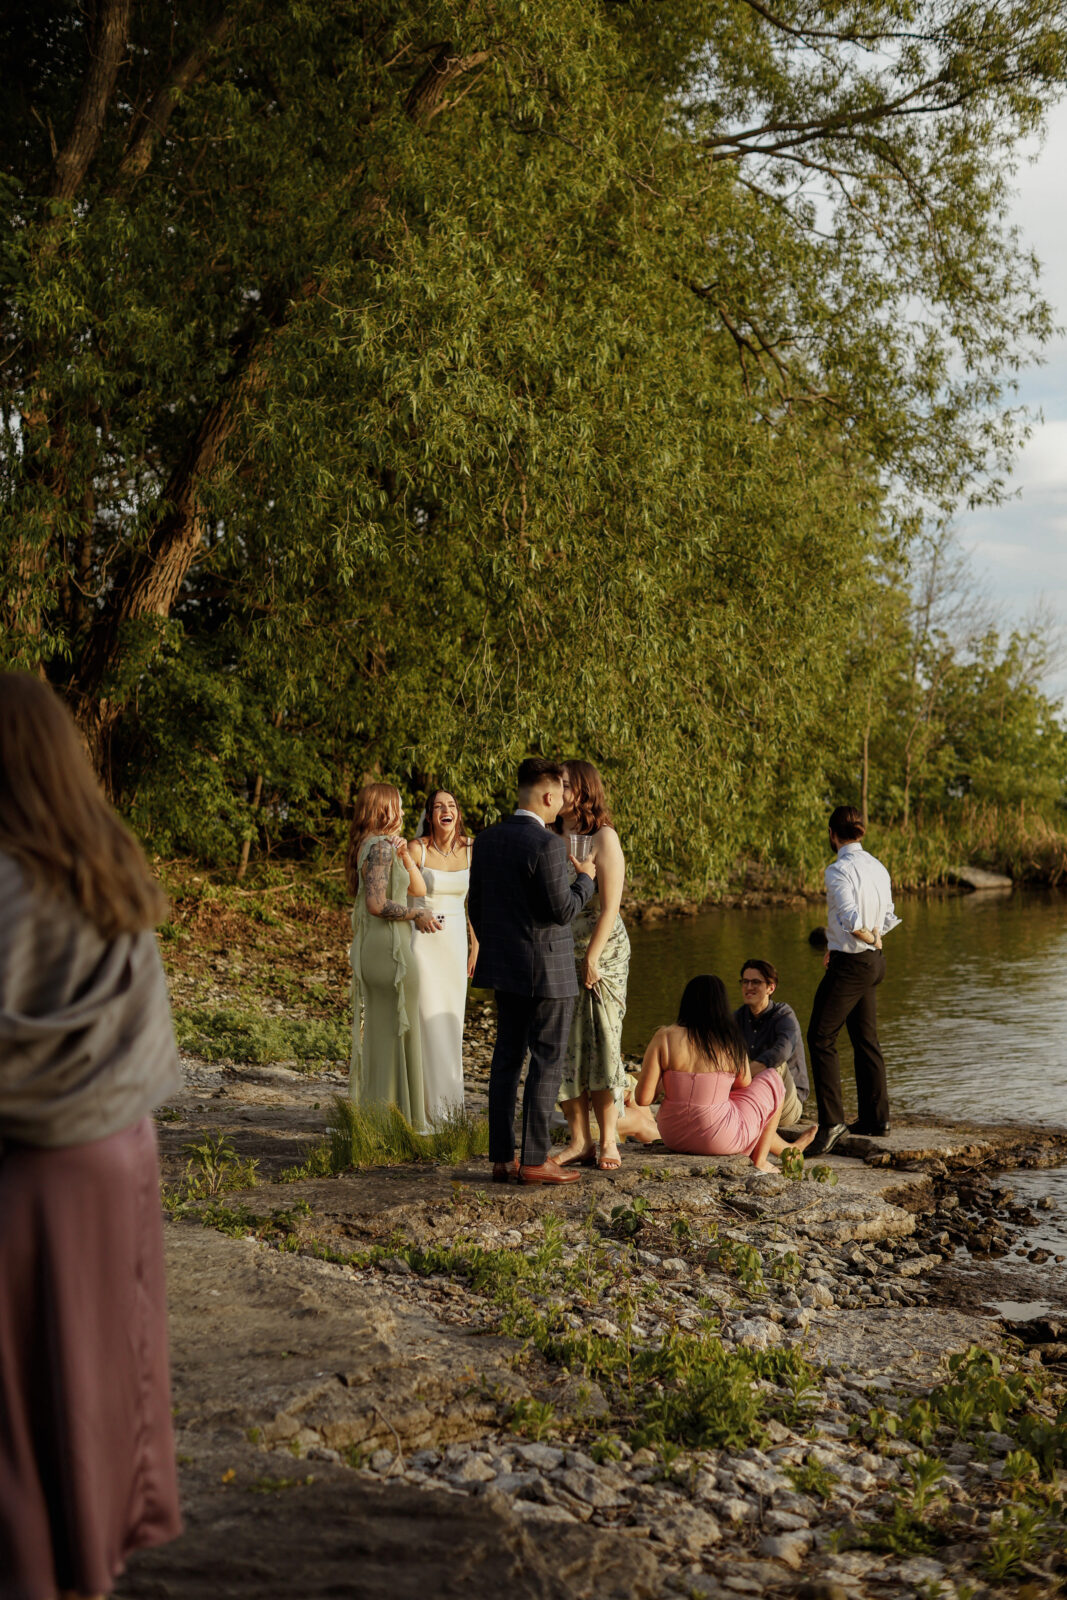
[{"x": 972, "y": 1015}]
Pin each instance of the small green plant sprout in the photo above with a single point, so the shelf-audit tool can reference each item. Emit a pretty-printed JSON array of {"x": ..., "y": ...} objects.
[
  {"x": 736, "y": 1260},
  {"x": 534, "y": 1418},
  {"x": 793, "y": 1164},
  {"x": 356, "y": 1456},
  {"x": 813, "y": 1478},
  {"x": 821, "y": 1173},
  {"x": 785, "y": 1268},
  {"x": 682, "y": 1229},
  {"x": 1020, "y": 1470},
  {"x": 925, "y": 1473},
  {"x": 1016, "y": 1540},
  {"x": 606, "y": 1449},
  {"x": 630, "y": 1219},
  {"x": 214, "y": 1167}
]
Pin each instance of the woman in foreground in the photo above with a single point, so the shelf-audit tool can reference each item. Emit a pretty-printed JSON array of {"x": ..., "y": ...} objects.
[
  {"x": 711, "y": 1104},
  {"x": 381, "y": 873},
  {"x": 87, "y": 1051}
]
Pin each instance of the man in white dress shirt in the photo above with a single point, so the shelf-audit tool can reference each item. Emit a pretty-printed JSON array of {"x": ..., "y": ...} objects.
[{"x": 859, "y": 913}]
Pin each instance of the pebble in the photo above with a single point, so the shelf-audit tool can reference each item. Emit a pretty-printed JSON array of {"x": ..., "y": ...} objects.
[
  {"x": 792, "y": 1548},
  {"x": 545, "y": 1457}
]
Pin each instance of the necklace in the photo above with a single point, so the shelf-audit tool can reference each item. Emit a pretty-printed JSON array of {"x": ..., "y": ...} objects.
[{"x": 445, "y": 853}]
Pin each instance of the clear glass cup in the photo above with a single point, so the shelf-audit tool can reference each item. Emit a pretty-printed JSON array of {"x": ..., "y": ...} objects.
[{"x": 580, "y": 845}]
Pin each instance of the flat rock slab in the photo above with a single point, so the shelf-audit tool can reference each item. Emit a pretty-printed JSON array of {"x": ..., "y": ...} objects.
[
  {"x": 833, "y": 1214},
  {"x": 914, "y": 1144},
  {"x": 293, "y": 1348},
  {"x": 979, "y": 878},
  {"x": 910, "y": 1342},
  {"x": 253, "y": 1537}
]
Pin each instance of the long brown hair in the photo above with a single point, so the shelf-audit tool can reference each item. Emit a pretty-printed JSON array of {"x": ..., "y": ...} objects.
[
  {"x": 707, "y": 1016},
  {"x": 587, "y": 796},
  {"x": 459, "y": 835},
  {"x": 55, "y": 821},
  {"x": 374, "y": 808}
]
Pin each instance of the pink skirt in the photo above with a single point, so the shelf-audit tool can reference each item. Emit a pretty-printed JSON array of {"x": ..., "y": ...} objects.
[
  {"x": 704, "y": 1115},
  {"x": 87, "y": 1471}
]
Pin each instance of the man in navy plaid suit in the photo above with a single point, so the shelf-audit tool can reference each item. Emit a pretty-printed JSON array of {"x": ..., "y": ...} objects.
[{"x": 521, "y": 906}]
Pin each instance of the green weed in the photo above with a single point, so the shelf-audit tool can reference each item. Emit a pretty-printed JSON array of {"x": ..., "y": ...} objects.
[
  {"x": 630, "y": 1219},
  {"x": 533, "y": 1418},
  {"x": 381, "y": 1136},
  {"x": 228, "y": 1034},
  {"x": 812, "y": 1478}
]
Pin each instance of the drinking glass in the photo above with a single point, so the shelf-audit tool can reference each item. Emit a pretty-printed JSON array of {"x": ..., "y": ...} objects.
[{"x": 580, "y": 845}]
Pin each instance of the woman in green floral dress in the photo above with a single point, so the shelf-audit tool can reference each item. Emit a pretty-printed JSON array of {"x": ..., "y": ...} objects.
[{"x": 593, "y": 1077}]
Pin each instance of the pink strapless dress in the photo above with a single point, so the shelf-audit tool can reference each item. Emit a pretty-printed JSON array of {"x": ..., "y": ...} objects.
[{"x": 706, "y": 1114}]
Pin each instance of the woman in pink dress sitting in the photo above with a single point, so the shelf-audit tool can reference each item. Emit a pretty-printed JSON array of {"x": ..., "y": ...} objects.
[{"x": 699, "y": 1067}]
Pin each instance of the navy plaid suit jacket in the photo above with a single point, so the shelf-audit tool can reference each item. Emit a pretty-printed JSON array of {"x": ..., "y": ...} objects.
[{"x": 520, "y": 905}]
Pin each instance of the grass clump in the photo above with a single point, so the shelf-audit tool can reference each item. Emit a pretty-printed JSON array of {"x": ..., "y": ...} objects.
[
  {"x": 381, "y": 1136},
  {"x": 224, "y": 1033}
]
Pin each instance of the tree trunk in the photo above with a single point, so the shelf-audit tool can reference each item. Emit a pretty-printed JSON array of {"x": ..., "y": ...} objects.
[{"x": 246, "y": 846}]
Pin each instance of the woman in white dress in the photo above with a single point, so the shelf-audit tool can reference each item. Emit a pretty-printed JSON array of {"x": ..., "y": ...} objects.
[{"x": 444, "y": 962}]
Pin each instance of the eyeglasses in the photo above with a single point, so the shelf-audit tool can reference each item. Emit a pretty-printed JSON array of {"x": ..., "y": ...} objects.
[{"x": 753, "y": 983}]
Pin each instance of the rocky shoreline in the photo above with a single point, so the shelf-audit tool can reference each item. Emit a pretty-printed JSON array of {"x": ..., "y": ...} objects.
[{"x": 679, "y": 1379}]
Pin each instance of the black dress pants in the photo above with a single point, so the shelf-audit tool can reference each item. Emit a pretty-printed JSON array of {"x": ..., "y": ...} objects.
[
  {"x": 525, "y": 1022},
  {"x": 848, "y": 995}
]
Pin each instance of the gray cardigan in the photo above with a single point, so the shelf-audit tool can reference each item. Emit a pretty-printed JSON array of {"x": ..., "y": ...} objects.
[{"x": 86, "y": 1040}]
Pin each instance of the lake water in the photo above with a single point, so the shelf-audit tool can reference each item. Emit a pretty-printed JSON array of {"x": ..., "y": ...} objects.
[{"x": 972, "y": 1014}]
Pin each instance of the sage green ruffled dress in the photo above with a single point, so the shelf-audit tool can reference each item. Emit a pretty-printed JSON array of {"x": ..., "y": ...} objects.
[
  {"x": 594, "y": 1049},
  {"x": 386, "y": 1049}
]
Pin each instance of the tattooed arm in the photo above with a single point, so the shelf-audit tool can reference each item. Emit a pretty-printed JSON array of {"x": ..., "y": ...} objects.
[{"x": 376, "y": 870}]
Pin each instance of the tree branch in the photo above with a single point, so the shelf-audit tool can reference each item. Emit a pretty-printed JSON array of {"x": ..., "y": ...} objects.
[
  {"x": 427, "y": 96},
  {"x": 153, "y": 124},
  {"x": 105, "y": 58}
]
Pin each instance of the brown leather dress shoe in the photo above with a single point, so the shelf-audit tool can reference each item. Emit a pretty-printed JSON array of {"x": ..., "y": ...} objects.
[
  {"x": 548, "y": 1172},
  {"x": 503, "y": 1170}
]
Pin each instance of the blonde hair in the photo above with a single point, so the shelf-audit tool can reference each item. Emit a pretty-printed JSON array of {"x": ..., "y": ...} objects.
[
  {"x": 55, "y": 820},
  {"x": 376, "y": 806}
]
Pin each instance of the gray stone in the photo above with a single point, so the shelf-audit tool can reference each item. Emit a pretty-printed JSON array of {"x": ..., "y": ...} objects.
[
  {"x": 589, "y": 1488},
  {"x": 545, "y": 1457},
  {"x": 999, "y": 1443},
  {"x": 758, "y": 1333},
  {"x": 530, "y": 1511},
  {"x": 381, "y": 1461},
  {"x": 470, "y": 1471},
  {"x": 791, "y": 1548},
  {"x": 783, "y": 1521},
  {"x": 689, "y": 1529}
]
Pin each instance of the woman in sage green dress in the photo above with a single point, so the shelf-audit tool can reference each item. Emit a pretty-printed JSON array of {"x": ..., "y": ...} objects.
[
  {"x": 593, "y": 1076},
  {"x": 386, "y": 1053}
]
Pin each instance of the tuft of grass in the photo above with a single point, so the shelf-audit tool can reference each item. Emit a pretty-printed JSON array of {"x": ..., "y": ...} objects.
[
  {"x": 224, "y": 1033},
  {"x": 381, "y": 1136}
]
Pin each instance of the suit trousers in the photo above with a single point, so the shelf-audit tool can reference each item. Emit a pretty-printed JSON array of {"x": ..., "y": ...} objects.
[
  {"x": 526, "y": 1022},
  {"x": 848, "y": 995}
]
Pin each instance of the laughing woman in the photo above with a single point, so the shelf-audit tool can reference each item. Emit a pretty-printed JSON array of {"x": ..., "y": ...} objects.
[
  {"x": 593, "y": 1076},
  {"x": 443, "y": 854}
]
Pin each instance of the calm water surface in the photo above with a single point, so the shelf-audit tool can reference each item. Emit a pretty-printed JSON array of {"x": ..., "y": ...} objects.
[{"x": 972, "y": 1014}]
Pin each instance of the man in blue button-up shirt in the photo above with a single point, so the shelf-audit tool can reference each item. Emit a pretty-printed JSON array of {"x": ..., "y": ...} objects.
[{"x": 859, "y": 913}]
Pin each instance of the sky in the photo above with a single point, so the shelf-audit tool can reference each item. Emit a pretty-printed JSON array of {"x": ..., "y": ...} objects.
[{"x": 1020, "y": 548}]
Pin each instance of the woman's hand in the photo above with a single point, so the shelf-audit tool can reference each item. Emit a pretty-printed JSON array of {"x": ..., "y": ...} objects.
[
  {"x": 744, "y": 1076},
  {"x": 590, "y": 971},
  {"x": 426, "y": 922},
  {"x": 403, "y": 850}
]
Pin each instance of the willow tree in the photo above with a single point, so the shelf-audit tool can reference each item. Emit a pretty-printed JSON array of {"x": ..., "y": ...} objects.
[{"x": 391, "y": 387}]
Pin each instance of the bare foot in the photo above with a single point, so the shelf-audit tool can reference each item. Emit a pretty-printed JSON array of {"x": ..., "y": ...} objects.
[
  {"x": 638, "y": 1122},
  {"x": 764, "y": 1166},
  {"x": 802, "y": 1140},
  {"x": 610, "y": 1159},
  {"x": 582, "y": 1153}
]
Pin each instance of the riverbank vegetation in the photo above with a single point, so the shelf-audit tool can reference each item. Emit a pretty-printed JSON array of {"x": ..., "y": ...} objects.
[{"x": 524, "y": 378}]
